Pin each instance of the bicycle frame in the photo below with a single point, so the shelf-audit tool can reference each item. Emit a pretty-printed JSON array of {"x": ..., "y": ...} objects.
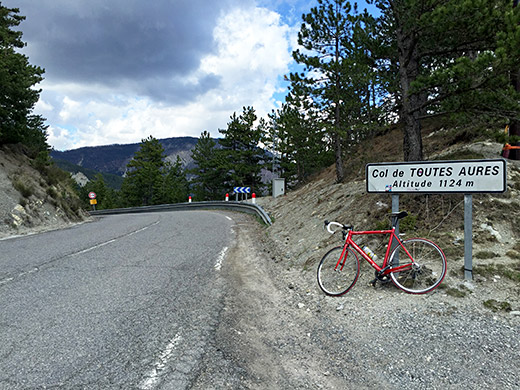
[{"x": 384, "y": 269}]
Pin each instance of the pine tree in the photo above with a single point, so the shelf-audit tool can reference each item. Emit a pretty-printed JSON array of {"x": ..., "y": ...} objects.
[
  {"x": 172, "y": 186},
  {"x": 144, "y": 171},
  {"x": 18, "y": 95},
  {"x": 338, "y": 83},
  {"x": 451, "y": 61},
  {"x": 510, "y": 43},
  {"x": 211, "y": 178},
  {"x": 241, "y": 149},
  {"x": 299, "y": 144}
]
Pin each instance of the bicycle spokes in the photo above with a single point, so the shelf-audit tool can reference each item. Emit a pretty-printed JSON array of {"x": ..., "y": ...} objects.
[
  {"x": 422, "y": 266},
  {"x": 338, "y": 271}
]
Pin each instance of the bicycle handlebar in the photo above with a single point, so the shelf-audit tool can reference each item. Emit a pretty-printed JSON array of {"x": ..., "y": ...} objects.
[
  {"x": 395, "y": 218},
  {"x": 329, "y": 224}
]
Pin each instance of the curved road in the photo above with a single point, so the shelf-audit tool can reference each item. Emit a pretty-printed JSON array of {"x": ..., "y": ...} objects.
[{"x": 128, "y": 301}]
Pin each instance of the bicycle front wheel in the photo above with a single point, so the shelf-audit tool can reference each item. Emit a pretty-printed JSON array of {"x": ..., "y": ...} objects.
[
  {"x": 424, "y": 271},
  {"x": 337, "y": 274}
]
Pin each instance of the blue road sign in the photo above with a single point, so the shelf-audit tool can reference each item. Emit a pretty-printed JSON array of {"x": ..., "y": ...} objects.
[{"x": 242, "y": 190}]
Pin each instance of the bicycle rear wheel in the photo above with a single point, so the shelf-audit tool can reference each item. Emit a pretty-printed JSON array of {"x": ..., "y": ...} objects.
[
  {"x": 426, "y": 270},
  {"x": 337, "y": 276}
]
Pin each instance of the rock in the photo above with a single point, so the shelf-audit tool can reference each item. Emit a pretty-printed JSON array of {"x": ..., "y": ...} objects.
[
  {"x": 80, "y": 179},
  {"x": 492, "y": 231}
]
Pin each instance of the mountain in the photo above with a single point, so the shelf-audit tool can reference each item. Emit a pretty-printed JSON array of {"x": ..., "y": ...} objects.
[
  {"x": 113, "y": 159},
  {"x": 83, "y": 175}
]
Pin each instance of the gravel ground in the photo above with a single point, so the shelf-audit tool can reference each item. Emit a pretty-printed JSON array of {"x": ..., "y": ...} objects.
[{"x": 278, "y": 331}]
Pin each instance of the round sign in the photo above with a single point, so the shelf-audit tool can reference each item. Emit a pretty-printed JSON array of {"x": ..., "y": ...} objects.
[{"x": 92, "y": 195}]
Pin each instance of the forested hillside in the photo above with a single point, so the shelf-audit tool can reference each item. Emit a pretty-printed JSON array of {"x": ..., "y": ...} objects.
[
  {"x": 402, "y": 65},
  {"x": 114, "y": 158},
  {"x": 34, "y": 194}
]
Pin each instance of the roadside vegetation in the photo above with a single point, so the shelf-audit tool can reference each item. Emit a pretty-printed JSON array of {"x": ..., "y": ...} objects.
[{"x": 409, "y": 67}]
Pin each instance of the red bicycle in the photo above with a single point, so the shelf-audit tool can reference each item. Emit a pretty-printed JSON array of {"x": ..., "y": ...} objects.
[{"x": 415, "y": 265}]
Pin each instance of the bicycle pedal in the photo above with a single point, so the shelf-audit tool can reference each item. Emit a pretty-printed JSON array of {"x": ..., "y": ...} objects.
[{"x": 373, "y": 282}]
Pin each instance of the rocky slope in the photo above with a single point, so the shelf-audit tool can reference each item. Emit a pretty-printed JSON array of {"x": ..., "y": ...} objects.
[
  {"x": 33, "y": 200},
  {"x": 299, "y": 240}
]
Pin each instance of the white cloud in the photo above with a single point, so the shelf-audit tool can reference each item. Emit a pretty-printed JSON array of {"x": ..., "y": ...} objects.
[{"x": 252, "y": 52}]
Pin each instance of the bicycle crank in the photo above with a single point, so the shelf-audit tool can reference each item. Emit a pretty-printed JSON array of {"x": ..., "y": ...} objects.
[{"x": 382, "y": 278}]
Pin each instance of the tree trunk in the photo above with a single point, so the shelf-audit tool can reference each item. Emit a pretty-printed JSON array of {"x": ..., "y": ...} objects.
[
  {"x": 340, "y": 175},
  {"x": 408, "y": 71},
  {"x": 338, "y": 151}
]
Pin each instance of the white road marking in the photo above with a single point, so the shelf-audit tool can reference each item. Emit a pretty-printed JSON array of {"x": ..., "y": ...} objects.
[
  {"x": 94, "y": 247},
  {"x": 153, "y": 376},
  {"x": 7, "y": 280},
  {"x": 229, "y": 218},
  {"x": 113, "y": 240},
  {"x": 220, "y": 259}
]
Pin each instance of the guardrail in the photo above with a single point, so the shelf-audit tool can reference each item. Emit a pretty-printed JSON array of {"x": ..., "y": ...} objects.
[{"x": 248, "y": 208}]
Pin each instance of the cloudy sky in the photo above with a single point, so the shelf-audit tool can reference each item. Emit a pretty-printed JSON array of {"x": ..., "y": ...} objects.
[{"x": 117, "y": 71}]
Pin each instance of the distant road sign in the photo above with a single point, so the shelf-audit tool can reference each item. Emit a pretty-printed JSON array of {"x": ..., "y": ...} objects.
[
  {"x": 93, "y": 201},
  {"x": 465, "y": 176},
  {"x": 92, "y": 195},
  {"x": 242, "y": 190}
]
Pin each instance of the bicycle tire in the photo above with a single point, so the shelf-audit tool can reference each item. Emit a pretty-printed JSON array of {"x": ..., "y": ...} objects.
[
  {"x": 428, "y": 268},
  {"x": 333, "y": 281}
]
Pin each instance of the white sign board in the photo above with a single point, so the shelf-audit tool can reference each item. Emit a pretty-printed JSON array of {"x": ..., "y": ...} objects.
[{"x": 467, "y": 176}]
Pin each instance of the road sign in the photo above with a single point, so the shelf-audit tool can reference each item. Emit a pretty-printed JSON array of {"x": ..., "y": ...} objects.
[
  {"x": 242, "y": 190},
  {"x": 463, "y": 176},
  {"x": 92, "y": 195},
  {"x": 93, "y": 201}
]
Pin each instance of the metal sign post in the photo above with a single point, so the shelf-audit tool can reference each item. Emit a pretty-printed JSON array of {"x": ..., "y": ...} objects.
[
  {"x": 468, "y": 237},
  {"x": 395, "y": 209},
  {"x": 92, "y": 196},
  {"x": 439, "y": 177}
]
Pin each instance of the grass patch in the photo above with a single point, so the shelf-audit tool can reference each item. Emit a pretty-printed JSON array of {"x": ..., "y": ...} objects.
[
  {"x": 496, "y": 306},
  {"x": 408, "y": 223},
  {"x": 453, "y": 251},
  {"x": 512, "y": 254},
  {"x": 455, "y": 292},
  {"x": 485, "y": 255},
  {"x": 500, "y": 270}
]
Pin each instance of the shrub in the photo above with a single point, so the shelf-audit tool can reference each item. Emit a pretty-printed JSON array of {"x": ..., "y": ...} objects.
[
  {"x": 24, "y": 189},
  {"x": 51, "y": 191}
]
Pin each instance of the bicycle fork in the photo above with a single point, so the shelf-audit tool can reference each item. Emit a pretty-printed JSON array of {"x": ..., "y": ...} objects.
[{"x": 342, "y": 260}]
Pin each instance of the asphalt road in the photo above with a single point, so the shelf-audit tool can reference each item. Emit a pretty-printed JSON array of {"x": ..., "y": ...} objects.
[{"x": 127, "y": 301}]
